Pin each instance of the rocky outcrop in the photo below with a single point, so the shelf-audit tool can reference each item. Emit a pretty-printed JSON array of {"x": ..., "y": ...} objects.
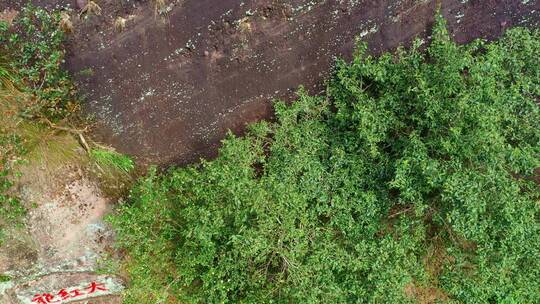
[
  {"x": 168, "y": 83},
  {"x": 169, "y": 86},
  {"x": 55, "y": 256}
]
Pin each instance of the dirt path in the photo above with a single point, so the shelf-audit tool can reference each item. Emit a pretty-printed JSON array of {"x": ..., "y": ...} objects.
[{"x": 54, "y": 257}]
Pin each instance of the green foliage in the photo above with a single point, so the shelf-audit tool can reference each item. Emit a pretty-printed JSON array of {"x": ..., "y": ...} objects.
[
  {"x": 11, "y": 208},
  {"x": 346, "y": 197},
  {"x": 11, "y": 147},
  {"x": 115, "y": 171},
  {"x": 32, "y": 85},
  {"x": 153, "y": 270},
  {"x": 112, "y": 159},
  {"x": 34, "y": 45},
  {"x": 4, "y": 278},
  {"x": 6, "y": 79}
]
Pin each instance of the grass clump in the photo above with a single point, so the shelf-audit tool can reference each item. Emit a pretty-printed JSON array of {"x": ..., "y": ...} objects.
[
  {"x": 112, "y": 159},
  {"x": 411, "y": 179},
  {"x": 114, "y": 170}
]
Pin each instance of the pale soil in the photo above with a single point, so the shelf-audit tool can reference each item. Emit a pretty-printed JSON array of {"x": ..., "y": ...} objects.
[{"x": 64, "y": 236}]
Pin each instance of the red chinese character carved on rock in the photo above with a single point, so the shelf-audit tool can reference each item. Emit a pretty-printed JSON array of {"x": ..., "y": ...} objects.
[
  {"x": 39, "y": 299},
  {"x": 45, "y": 298},
  {"x": 64, "y": 294},
  {"x": 76, "y": 293},
  {"x": 95, "y": 287}
]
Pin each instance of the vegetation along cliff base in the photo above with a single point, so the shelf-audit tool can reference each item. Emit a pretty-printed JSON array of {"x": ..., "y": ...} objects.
[{"x": 411, "y": 180}]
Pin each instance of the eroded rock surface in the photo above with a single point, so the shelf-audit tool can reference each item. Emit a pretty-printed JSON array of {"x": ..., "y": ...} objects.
[
  {"x": 168, "y": 87},
  {"x": 61, "y": 286},
  {"x": 168, "y": 84},
  {"x": 56, "y": 254}
]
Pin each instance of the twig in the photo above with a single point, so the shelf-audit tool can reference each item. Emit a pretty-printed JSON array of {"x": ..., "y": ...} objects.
[
  {"x": 83, "y": 143},
  {"x": 77, "y": 132},
  {"x": 54, "y": 126},
  {"x": 400, "y": 212}
]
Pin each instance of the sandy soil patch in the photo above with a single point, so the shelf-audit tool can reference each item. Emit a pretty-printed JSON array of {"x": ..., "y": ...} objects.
[{"x": 63, "y": 239}]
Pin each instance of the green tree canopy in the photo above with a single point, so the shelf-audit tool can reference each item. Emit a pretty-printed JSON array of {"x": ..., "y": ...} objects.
[{"x": 411, "y": 179}]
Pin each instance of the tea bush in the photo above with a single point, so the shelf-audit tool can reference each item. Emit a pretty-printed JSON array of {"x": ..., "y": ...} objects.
[{"x": 412, "y": 178}]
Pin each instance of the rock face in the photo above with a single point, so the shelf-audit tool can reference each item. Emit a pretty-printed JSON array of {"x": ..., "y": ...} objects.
[
  {"x": 81, "y": 3},
  {"x": 59, "y": 289},
  {"x": 54, "y": 257},
  {"x": 169, "y": 86}
]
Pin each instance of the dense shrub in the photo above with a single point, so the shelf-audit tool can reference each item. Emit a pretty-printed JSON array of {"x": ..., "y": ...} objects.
[
  {"x": 411, "y": 179},
  {"x": 33, "y": 86},
  {"x": 34, "y": 45}
]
